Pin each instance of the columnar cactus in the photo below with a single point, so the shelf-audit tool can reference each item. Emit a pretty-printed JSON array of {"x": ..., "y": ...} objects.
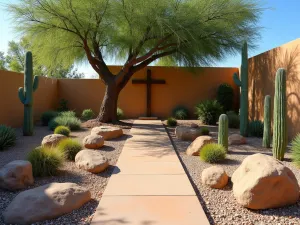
[
  {"x": 26, "y": 95},
  {"x": 243, "y": 84},
  {"x": 280, "y": 114},
  {"x": 223, "y": 131},
  {"x": 267, "y": 122}
]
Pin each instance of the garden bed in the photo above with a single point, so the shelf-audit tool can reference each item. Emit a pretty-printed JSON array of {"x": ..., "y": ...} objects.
[
  {"x": 220, "y": 206},
  {"x": 96, "y": 183}
]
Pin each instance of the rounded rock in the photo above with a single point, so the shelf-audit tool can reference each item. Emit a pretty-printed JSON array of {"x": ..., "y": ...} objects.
[
  {"x": 107, "y": 132},
  {"x": 93, "y": 141},
  {"x": 214, "y": 177},
  {"x": 52, "y": 140},
  {"x": 187, "y": 133},
  {"x": 195, "y": 147},
  {"x": 236, "y": 139},
  {"x": 91, "y": 161}
]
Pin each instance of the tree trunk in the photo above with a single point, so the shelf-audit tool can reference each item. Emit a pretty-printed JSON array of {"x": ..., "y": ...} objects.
[{"x": 108, "y": 109}]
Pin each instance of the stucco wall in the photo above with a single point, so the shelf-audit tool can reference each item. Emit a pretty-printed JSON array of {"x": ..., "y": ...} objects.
[
  {"x": 182, "y": 87},
  {"x": 11, "y": 109},
  {"x": 262, "y": 70}
]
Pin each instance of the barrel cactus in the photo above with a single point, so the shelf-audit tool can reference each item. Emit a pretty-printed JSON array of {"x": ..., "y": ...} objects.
[
  {"x": 267, "y": 122},
  {"x": 223, "y": 131},
  {"x": 280, "y": 114},
  {"x": 26, "y": 95},
  {"x": 256, "y": 128},
  {"x": 243, "y": 84}
]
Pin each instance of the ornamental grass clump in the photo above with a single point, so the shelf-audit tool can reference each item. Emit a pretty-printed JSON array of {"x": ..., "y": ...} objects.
[
  {"x": 69, "y": 148},
  {"x": 209, "y": 111},
  {"x": 296, "y": 150},
  {"x": 172, "y": 122},
  {"x": 120, "y": 113},
  {"x": 87, "y": 114},
  {"x": 48, "y": 116},
  {"x": 7, "y": 137},
  {"x": 45, "y": 161},
  {"x": 213, "y": 153},
  {"x": 71, "y": 122},
  {"x": 180, "y": 113},
  {"x": 62, "y": 130}
]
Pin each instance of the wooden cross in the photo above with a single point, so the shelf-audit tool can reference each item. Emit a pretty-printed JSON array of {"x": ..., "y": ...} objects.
[{"x": 149, "y": 81}]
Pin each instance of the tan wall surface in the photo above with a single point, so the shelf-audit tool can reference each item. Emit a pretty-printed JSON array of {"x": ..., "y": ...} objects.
[
  {"x": 182, "y": 88},
  {"x": 262, "y": 70},
  {"x": 11, "y": 109}
]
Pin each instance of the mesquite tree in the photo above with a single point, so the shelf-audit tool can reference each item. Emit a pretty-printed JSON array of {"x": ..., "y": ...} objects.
[{"x": 135, "y": 32}]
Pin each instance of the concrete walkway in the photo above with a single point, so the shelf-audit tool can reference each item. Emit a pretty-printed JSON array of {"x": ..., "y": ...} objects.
[{"x": 149, "y": 185}]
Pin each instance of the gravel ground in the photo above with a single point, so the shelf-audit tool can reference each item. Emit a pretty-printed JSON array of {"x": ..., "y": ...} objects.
[
  {"x": 220, "y": 205},
  {"x": 96, "y": 183}
]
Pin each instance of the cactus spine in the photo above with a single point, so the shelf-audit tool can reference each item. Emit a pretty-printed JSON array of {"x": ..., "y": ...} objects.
[
  {"x": 26, "y": 95},
  {"x": 223, "y": 131},
  {"x": 243, "y": 84},
  {"x": 280, "y": 114},
  {"x": 267, "y": 122}
]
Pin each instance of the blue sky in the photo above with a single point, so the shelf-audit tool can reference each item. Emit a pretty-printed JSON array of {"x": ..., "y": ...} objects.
[{"x": 280, "y": 24}]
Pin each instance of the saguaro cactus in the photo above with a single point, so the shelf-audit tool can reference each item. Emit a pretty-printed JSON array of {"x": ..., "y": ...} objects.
[
  {"x": 223, "y": 131},
  {"x": 26, "y": 95},
  {"x": 243, "y": 84},
  {"x": 267, "y": 122},
  {"x": 280, "y": 114}
]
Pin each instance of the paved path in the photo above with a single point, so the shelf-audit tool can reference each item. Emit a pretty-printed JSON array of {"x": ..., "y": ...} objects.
[{"x": 149, "y": 185}]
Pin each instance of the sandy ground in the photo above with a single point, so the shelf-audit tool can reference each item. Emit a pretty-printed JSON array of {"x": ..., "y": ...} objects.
[
  {"x": 96, "y": 183},
  {"x": 220, "y": 205}
]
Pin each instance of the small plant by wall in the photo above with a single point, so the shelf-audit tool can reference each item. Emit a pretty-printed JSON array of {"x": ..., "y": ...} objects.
[
  {"x": 209, "y": 111},
  {"x": 62, "y": 130},
  {"x": 225, "y": 96},
  {"x": 180, "y": 113},
  {"x": 87, "y": 114},
  {"x": 7, "y": 137},
  {"x": 48, "y": 116},
  {"x": 172, "y": 122},
  {"x": 120, "y": 113}
]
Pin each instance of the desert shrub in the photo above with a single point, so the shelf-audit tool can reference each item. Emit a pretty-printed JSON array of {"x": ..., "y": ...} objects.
[
  {"x": 120, "y": 113},
  {"x": 68, "y": 113},
  {"x": 256, "y": 128},
  {"x": 7, "y": 137},
  {"x": 209, "y": 111},
  {"x": 45, "y": 161},
  {"x": 296, "y": 150},
  {"x": 48, "y": 116},
  {"x": 213, "y": 153},
  {"x": 87, "y": 114},
  {"x": 69, "y": 148},
  {"x": 172, "y": 122},
  {"x": 204, "y": 131},
  {"x": 72, "y": 123},
  {"x": 62, "y": 130},
  {"x": 233, "y": 119},
  {"x": 225, "y": 96},
  {"x": 63, "y": 105},
  {"x": 180, "y": 113}
]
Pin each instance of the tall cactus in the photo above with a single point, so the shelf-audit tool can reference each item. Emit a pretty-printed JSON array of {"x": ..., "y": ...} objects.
[
  {"x": 267, "y": 122},
  {"x": 223, "y": 131},
  {"x": 243, "y": 84},
  {"x": 26, "y": 95},
  {"x": 280, "y": 114}
]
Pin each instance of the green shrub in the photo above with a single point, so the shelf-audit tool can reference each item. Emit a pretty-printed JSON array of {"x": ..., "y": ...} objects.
[
  {"x": 209, "y": 111},
  {"x": 120, "y": 113},
  {"x": 69, "y": 148},
  {"x": 213, "y": 153},
  {"x": 48, "y": 116},
  {"x": 87, "y": 114},
  {"x": 62, "y": 130},
  {"x": 63, "y": 105},
  {"x": 233, "y": 120},
  {"x": 172, "y": 122},
  {"x": 204, "y": 131},
  {"x": 7, "y": 137},
  {"x": 180, "y": 113},
  {"x": 45, "y": 161},
  {"x": 72, "y": 123},
  {"x": 296, "y": 150},
  {"x": 68, "y": 114},
  {"x": 256, "y": 128},
  {"x": 225, "y": 95}
]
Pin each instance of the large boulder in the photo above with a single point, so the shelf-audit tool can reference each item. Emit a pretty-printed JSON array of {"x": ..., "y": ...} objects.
[
  {"x": 236, "y": 139},
  {"x": 16, "y": 175},
  {"x": 107, "y": 132},
  {"x": 45, "y": 202},
  {"x": 93, "y": 141},
  {"x": 262, "y": 182},
  {"x": 196, "y": 146},
  {"x": 214, "y": 177},
  {"x": 52, "y": 140},
  {"x": 92, "y": 161},
  {"x": 187, "y": 133}
]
